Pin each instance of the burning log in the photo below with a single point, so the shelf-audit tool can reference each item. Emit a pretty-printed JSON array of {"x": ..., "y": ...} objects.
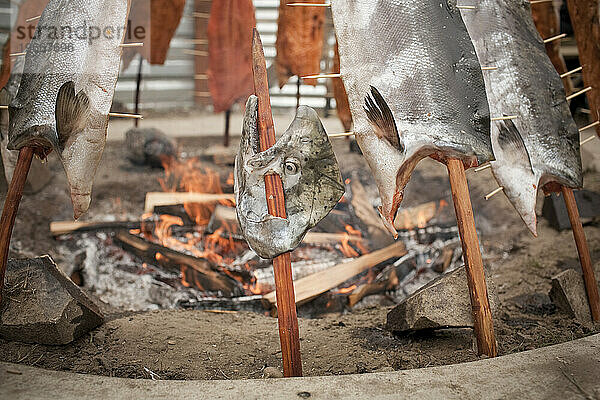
[
  {"x": 204, "y": 273},
  {"x": 311, "y": 286},
  {"x": 154, "y": 199}
]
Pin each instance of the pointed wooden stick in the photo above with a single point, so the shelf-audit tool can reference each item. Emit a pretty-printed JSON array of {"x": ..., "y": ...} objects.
[
  {"x": 480, "y": 305},
  {"x": 591, "y": 285},
  {"x": 466, "y": 7},
  {"x": 125, "y": 115},
  {"x": 593, "y": 124},
  {"x": 582, "y": 91},
  {"x": 112, "y": 114},
  {"x": 488, "y": 68},
  {"x": 11, "y": 206},
  {"x": 339, "y": 135},
  {"x": 584, "y": 141},
  {"x": 318, "y": 76},
  {"x": 493, "y": 192},
  {"x": 503, "y": 118},
  {"x": 484, "y": 166},
  {"x": 571, "y": 72},
  {"x": 539, "y": 1},
  {"x": 282, "y": 266},
  {"x": 33, "y": 18},
  {"x": 137, "y": 44},
  {"x": 553, "y": 38},
  {"x": 309, "y": 4}
]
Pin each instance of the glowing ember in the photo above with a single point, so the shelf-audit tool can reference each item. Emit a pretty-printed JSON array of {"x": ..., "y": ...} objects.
[{"x": 347, "y": 290}]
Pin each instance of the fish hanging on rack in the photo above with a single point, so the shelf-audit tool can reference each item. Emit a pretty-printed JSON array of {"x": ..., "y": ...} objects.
[
  {"x": 538, "y": 146},
  {"x": 67, "y": 88},
  {"x": 415, "y": 88}
]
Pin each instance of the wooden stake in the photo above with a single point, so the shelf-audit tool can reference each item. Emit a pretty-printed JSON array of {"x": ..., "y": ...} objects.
[
  {"x": 298, "y": 83},
  {"x": 591, "y": 285},
  {"x": 582, "y": 91},
  {"x": 339, "y": 135},
  {"x": 324, "y": 75},
  {"x": 138, "y": 88},
  {"x": 493, "y": 192},
  {"x": 227, "y": 123},
  {"x": 282, "y": 265},
  {"x": 504, "y": 118},
  {"x": 482, "y": 314},
  {"x": 553, "y": 38},
  {"x": 11, "y": 206}
]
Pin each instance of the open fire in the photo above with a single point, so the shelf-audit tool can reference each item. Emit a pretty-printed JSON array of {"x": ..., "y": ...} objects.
[{"x": 195, "y": 252}]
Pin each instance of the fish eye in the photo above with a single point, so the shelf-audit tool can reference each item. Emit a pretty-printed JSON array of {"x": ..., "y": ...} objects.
[{"x": 291, "y": 167}]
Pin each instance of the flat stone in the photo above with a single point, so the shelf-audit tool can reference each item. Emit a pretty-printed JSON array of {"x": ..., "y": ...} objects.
[
  {"x": 41, "y": 305},
  {"x": 569, "y": 295},
  {"x": 149, "y": 146},
  {"x": 442, "y": 303}
]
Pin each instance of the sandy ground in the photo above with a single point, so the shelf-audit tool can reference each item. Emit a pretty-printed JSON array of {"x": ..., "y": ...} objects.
[{"x": 177, "y": 344}]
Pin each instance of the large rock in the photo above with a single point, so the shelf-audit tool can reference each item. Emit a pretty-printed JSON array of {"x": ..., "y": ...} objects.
[
  {"x": 555, "y": 211},
  {"x": 442, "y": 303},
  {"x": 569, "y": 295},
  {"x": 149, "y": 146},
  {"x": 41, "y": 305}
]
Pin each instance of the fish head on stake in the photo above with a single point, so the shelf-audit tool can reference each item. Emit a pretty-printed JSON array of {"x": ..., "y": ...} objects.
[{"x": 312, "y": 182}]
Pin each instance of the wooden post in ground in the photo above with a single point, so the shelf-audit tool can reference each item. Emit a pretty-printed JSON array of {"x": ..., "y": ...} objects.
[
  {"x": 11, "y": 206},
  {"x": 138, "y": 88},
  {"x": 482, "y": 314},
  {"x": 227, "y": 122},
  {"x": 298, "y": 84},
  {"x": 282, "y": 266},
  {"x": 591, "y": 285}
]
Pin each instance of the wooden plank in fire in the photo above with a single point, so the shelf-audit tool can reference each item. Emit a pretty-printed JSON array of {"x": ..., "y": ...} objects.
[
  {"x": 313, "y": 285},
  {"x": 154, "y": 199}
]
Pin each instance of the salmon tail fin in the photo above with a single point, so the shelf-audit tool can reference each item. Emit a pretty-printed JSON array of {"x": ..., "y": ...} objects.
[
  {"x": 382, "y": 119},
  {"x": 512, "y": 144},
  {"x": 71, "y": 113}
]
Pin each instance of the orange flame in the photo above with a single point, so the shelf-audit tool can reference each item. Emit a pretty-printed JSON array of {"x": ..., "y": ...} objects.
[{"x": 190, "y": 176}]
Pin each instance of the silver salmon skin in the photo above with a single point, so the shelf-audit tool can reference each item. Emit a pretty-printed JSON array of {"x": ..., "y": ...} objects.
[
  {"x": 66, "y": 90},
  {"x": 415, "y": 88},
  {"x": 312, "y": 181},
  {"x": 540, "y": 146}
]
